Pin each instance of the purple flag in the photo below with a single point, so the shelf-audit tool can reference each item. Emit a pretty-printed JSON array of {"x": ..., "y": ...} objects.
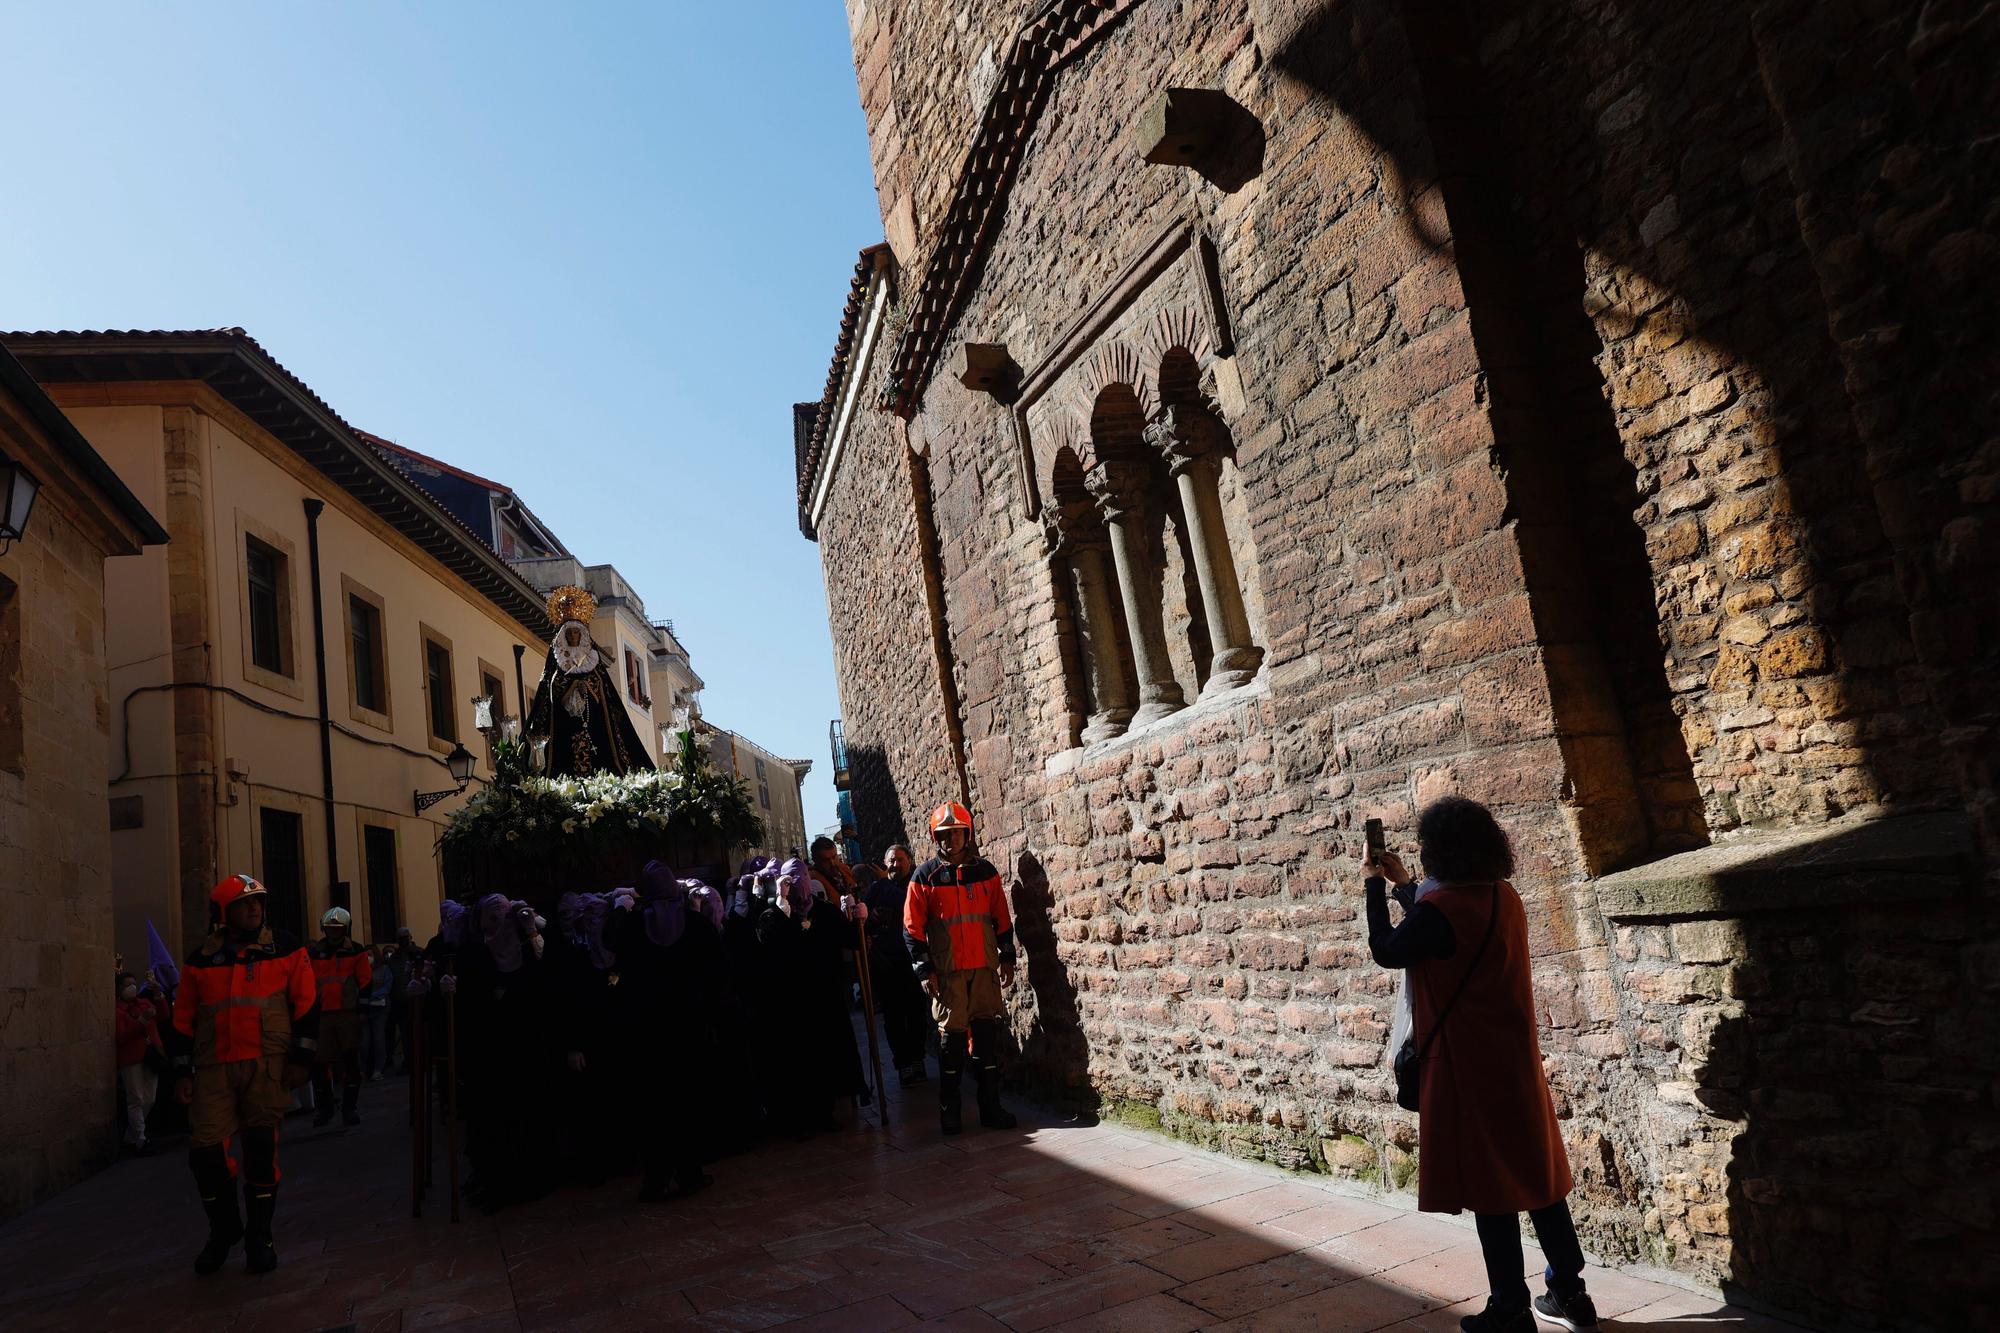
[{"x": 160, "y": 959}]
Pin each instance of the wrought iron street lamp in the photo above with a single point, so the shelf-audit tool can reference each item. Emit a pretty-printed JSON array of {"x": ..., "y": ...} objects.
[
  {"x": 461, "y": 764},
  {"x": 18, "y": 488}
]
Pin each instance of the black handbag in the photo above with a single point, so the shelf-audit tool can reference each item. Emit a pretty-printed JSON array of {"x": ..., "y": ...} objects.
[{"x": 1409, "y": 1062}]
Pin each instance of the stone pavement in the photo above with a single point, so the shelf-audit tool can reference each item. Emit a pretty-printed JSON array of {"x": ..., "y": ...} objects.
[{"x": 1046, "y": 1227}]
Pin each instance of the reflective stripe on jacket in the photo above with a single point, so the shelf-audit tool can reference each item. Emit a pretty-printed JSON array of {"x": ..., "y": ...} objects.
[
  {"x": 243, "y": 1004},
  {"x": 341, "y": 973},
  {"x": 955, "y": 918}
]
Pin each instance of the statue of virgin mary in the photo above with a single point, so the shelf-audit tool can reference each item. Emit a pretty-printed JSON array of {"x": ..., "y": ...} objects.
[{"x": 578, "y": 713}]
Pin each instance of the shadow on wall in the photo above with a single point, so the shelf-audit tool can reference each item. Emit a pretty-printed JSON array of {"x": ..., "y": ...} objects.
[
  {"x": 879, "y": 818},
  {"x": 1822, "y": 1024},
  {"x": 1055, "y": 1054}
]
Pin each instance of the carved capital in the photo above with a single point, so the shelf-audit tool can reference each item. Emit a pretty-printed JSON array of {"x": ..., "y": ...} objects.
[
  {"x": 1184, "y": 435},
  {"x": 1117, "y": 487}
]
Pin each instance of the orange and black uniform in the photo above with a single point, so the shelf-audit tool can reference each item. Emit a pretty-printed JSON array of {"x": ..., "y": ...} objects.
[
  {"x": 244, "y": 1011},
  {"x": 341, "y": 972},
  {"x": 957, "y": 928}
]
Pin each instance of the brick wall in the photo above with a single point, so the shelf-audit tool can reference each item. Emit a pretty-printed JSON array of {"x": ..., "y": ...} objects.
[
  {"x": 1564, "y": 475},
  {"x": 56, "y": 1098}
]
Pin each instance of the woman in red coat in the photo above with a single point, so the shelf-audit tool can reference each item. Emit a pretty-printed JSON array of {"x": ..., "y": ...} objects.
[{"x": 1488, "y": 1138}]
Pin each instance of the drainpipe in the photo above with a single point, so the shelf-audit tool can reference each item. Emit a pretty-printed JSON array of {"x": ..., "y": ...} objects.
[
  {"x": 521, "y": 684},
  {"x": 337, "y": 894}
]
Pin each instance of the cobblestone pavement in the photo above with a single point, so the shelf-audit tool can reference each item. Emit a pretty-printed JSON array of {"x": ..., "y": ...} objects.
[{"x": 1045, "y": 1227}]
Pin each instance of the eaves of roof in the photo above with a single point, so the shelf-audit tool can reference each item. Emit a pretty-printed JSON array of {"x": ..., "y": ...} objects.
[
  {"x": 1054, "y": 34},
  {"x": 812, "y": 421},
  {"x": 234, "y": 365},
  {"x": 69, "y": 441}
]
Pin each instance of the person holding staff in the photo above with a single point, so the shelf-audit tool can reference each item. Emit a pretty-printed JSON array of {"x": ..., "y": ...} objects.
[{"x": 1487, "y": 1130}]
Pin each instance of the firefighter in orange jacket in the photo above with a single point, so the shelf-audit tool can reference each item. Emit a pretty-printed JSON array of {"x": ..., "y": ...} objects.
[
  {"x": 246, "y": 1016},
  {"x": 341, "y": 971},
  {"x": 961, "y": 942}
]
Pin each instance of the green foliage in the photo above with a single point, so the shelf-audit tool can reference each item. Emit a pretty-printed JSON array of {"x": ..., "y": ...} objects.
[{"x": 597, "y": 820}]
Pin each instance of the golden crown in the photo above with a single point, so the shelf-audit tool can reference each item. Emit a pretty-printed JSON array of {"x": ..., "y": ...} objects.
[{"x": 568, "y": 603}]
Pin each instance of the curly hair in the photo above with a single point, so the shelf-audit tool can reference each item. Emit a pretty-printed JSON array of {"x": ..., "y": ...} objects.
[{"x": 1460, "y": 842}]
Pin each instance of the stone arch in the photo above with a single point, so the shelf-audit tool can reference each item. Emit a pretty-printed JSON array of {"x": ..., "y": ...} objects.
[
  {"x": 1112, "y": 365},
  {"x": 1178, "y": 328}
]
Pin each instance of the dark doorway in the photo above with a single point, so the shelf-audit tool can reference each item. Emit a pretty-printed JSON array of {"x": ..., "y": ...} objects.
[
  {"x": 378, "y": 852},
  {"x": 283, "y": 834}
]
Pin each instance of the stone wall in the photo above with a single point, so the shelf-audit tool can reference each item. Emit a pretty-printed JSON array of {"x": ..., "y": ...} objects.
[
  {"x": 898, "y": 751},
  {"x": 1548, "y": 435},
  {"x": 56, "y": 1061}
]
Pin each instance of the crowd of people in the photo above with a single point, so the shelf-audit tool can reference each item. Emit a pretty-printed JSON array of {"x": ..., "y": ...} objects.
[{"x": 645, "y": 1029}]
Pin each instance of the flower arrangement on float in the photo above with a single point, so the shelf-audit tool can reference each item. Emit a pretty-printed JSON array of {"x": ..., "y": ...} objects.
[{"x": 523, "y": 833}]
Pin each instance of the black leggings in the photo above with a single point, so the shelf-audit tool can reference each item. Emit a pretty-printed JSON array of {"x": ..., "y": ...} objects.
[{"x": 1500, "y": 1243}]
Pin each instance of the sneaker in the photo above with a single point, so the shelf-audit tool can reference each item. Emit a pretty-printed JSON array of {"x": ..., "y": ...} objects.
[
  {"x": 1494, "y": 1319},
  {"x": 1576, "y": 1313}
]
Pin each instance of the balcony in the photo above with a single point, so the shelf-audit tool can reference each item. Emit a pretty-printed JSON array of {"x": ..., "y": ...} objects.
[{"x": 838, "y": 744}]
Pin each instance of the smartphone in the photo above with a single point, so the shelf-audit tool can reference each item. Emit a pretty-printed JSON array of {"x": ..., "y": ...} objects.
[{"x": 1372, "y": 831}]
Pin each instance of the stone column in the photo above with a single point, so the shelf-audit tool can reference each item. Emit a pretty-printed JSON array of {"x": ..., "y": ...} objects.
[
  {"x": 1119, "y": 490},
  {"x": 1110, "y": 705},
  {"x": 1187, "y": 437}
]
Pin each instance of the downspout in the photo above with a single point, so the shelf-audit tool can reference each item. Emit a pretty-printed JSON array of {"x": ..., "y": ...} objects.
[
  {"x": 337, "y": 894},
  {"x": 521, "y": 683},
  {"x": 929, "y": 553}
]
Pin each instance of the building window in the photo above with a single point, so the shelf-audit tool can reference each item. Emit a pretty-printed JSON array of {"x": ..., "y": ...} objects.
[
  {"x": 282, "y": 833},
  {"x": 378, "y": 855},
  {"x": 635, "y": 680},
  {"x": 490, "y": 686},
  {"x": 266, "y": 575},
  {"x": 438, "y": 691},
  {"x": 12, "y": 728},
  {"x": 367, "y": 663}
]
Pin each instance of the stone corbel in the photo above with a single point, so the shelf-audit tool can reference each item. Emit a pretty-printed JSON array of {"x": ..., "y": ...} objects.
[{"x": 989, "y": 368}]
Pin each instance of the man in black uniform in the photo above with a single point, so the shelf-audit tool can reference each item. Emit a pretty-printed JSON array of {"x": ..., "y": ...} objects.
[{"x": 897, "y": 993}]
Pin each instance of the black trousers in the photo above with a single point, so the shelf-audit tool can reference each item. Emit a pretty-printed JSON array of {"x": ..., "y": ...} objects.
[
  {"x": 906, "y": 1019},
  {"x": 1500, "y": 1243}
]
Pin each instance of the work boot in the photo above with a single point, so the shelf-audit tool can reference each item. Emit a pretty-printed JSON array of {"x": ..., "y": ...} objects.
[
  {"x": 951, "y": 1079},
  {"x": 991, "y": 1113},
  {"x": 260, "y": 1202},
  {"x": 350, "y": 1104},
  {"x": 225, "y": 1228}
]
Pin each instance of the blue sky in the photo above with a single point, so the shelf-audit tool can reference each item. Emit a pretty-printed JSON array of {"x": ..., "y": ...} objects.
[{"x": 596, "y": 251}]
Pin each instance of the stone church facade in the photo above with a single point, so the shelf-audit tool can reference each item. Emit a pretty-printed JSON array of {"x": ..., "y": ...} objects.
[{"x": 1265, "y": 416}]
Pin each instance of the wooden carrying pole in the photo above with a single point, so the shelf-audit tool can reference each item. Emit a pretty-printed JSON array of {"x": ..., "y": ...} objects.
[
  {"x": 414, "y": 1056},
  {"x": 451, "y": 1084},
  {"x": 868, "y": 1017}
]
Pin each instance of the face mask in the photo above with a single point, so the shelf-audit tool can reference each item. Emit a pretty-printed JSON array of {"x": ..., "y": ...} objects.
[{"x": 130, "y": 992}]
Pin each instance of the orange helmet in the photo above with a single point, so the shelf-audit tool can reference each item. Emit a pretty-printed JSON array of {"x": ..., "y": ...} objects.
[
  {"x": 236, "y": 886},
  {"x": 950, "y": 815}
]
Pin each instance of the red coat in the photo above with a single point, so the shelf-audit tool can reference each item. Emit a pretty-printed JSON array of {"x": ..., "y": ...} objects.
[
  {"x": 137, "y": 1027},
  {"x": 1488, "y": 1137},
  {"x": 955, "y": 917},
  {"x": 341, "y": 973},
  {"x": 244, "y": 1004}
]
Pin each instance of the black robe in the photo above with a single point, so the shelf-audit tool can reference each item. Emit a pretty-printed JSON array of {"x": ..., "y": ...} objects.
[
  {"x": 602, "y": 741},
  {"x": 806, "y": 1003},
  {"x": 665, "y": 1004}
]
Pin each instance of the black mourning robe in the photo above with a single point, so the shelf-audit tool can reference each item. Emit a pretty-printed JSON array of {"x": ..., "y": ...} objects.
[{"x": 602, "y": 740}]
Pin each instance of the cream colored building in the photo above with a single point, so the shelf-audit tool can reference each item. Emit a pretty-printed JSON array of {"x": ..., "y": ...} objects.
[
  {"x": 226, "y": 754},
  {"x": 56, "y": 947},
  {"x": 774, "y": 787}
]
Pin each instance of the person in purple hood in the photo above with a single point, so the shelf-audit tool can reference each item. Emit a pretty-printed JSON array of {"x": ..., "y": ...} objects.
[
  {"x": 669, "y": 966},
  {"x": 506, "y": 1053},
  {"x": 814, "y": 1061},
  {"x": 582, "y": 979}
]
